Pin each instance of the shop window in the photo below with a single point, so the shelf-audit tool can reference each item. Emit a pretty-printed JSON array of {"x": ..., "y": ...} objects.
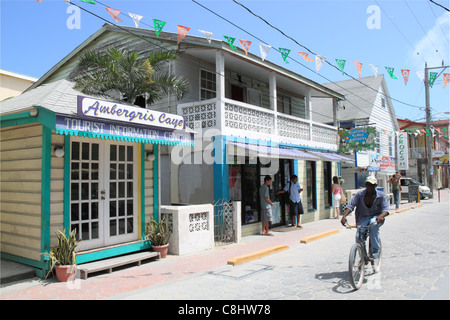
[
  {"x": 327, "y": 183},
  {"x": 311, "y": 190},
  {"x": 207, "y": 85}
]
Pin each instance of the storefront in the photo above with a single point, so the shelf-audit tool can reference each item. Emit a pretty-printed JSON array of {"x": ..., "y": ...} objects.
[{"x": 80, "y": 163}]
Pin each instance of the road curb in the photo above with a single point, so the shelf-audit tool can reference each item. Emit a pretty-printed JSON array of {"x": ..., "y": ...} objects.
[
  {"x": 256, "y": 255},
  {"x": 318, "y": 236}
]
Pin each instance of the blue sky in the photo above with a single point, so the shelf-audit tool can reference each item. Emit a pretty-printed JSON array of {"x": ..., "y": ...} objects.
[{"x": 401, "y": 34}]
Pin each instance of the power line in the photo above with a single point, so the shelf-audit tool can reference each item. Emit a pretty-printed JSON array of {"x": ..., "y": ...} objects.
[{"x": 440, "y": 5}]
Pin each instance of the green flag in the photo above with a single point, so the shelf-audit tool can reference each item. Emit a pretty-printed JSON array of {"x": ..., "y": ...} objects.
[
  {"x": 159, "y": 25},
  {"x": 433, "y": 76},
  {"x": 230, "y": 41},
  {"x": 89, "y": 1},
  {"x": 391, "y": 72},
  {"x": 284, "y": 53},
  {"x": 341, "y": 64}
]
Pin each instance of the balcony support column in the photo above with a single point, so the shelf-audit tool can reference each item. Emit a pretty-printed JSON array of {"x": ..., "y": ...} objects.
[
  {"x": 308, "y": 104},
  {"x": 220, "y": 89},
  {"x": 273, "y": 99}
]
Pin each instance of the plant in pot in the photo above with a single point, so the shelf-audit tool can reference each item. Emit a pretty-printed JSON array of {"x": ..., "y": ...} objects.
[
  {"x": 158, "y": 233},
  {"x": 62, "y": 257}
]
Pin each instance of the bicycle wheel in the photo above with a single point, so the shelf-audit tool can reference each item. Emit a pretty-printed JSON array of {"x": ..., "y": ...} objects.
[
  {"x": 356, "y": 266},
  {"x": 376, "y": 263}
]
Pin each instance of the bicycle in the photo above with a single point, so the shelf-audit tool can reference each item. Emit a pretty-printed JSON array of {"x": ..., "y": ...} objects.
[{"x": 359, "y": 257}]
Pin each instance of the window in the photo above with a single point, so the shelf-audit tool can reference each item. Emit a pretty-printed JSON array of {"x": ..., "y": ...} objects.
[
  {"x": 207, "y": 85},
  {"x": 391, "y": 146},
  {"x": 327, "y": 183},
  {"x": 283, "y": 104},
  {"x": 378, "y": 142},
  {"x": 311, "y": 192}
]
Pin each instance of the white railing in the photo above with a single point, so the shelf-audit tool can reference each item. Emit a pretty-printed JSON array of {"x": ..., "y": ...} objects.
[{"x": 240, "y": 119}]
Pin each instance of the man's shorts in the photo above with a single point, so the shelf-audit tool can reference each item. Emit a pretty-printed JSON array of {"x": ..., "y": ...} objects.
[
  {"x": 266, "y": 214},
  {"x": 295, "y": 208}
]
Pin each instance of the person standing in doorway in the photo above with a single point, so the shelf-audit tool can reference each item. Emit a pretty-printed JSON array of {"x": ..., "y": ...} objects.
[
  {"x": 266, "y": 206},
  {"x": 336, "y": 191},
  {"x": 295, "y": 201},
  {"x": 396, "y": 188}
]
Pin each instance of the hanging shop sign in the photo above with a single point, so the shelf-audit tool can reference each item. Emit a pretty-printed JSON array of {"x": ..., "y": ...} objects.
[
  {"x": 402, "y": 151},
  {"x": 358, "y": 139},
  {"x": 109, "y": 110}
]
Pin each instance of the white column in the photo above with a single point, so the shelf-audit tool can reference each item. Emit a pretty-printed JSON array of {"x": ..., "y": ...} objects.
[
  {"x": 273, "y": 99},
  {"x": 309, "y": 110},
  {"x": 220, "y": 89}
]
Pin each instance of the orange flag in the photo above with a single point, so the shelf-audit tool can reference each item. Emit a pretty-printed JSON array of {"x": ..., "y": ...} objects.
[
  {"x": 305, "y": 56},
  {"x": 245, "y": 45},
  {"x": 405, "y": 74},
  {"x": 446, "y": 78},
  {"x": 182, "y": 32},
  {"x": 114, "y": 13},
  {"x": 358, "y": 66}
]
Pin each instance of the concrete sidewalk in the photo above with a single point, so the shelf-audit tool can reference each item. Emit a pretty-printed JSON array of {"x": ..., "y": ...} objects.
[{"x": 173, "y": 267}]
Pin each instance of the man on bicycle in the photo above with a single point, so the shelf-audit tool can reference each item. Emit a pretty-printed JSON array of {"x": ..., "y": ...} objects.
[{"x": 371, "y": 205}]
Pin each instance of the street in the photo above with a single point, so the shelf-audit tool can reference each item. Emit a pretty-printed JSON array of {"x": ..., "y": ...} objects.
[{"x": 415, "y": 265}]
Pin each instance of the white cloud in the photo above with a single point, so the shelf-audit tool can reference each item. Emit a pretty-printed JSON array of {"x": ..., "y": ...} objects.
[{"x": 434, "y": 40}]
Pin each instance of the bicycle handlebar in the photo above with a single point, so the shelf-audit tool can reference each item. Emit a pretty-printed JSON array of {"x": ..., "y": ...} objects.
[{"x": 348, "y": 226}]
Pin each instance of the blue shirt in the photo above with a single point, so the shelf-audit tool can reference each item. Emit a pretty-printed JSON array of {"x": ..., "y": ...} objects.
[
  {"x": 294, "y": 194},
  {"x": 379, "y": 205},
  {"x": 264, "y": 192}
]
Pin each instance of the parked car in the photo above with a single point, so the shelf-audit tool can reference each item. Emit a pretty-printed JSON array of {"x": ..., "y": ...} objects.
[{"x": 405, "y": 182}]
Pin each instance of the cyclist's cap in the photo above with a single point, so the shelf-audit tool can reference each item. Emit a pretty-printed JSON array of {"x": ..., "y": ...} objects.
[{"x": 371, "y": 180}]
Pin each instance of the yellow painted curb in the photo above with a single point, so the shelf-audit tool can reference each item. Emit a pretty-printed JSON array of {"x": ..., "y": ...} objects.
[
  {"x": 416, "y": 206},
  {"x": 402, "y": 210},
  {"x": 318, "y": 236},
  {"x": 256, "y": 255}
]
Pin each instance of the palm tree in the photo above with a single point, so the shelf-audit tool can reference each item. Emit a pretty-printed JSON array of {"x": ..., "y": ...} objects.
[{"x": 119, "y": 71}]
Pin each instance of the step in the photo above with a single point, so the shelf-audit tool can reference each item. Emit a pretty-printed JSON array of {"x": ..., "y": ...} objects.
[{"x": 109, "y": 264}]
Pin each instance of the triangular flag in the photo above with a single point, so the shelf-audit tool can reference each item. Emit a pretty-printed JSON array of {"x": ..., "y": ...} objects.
[
  {"x": 391, "y": 72},
  {"x": 88, "y": 1},
  {"x": 230, "y": 41},
  {"x": 245, "y": 45},
  {"x": 341, "y": 64},
  {"x": 264, "y": 50},
  {"x": 114, "y": 13},
  {"x": 320, "y": 60},
  {"x": 358, "y": 66},
  {"x": 405, "y": 74},
  {"x": 421, "y": 75},
  {"x": 182, "y": 32},
  {"x": 284, "y": 53},
  {"x": 305, "y": 56},
  {"x": 446, "y": 78},
  {"x": 136, "y": 18},
  {"x": 374, "y": 69},
  {"x": 207, "y": 34},
  {"x": 159, "y": 25},
  {"x": 433, "y": 76}
]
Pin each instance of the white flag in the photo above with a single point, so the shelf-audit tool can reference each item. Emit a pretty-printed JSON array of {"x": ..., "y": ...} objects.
[
  {"x": 320, "y": 60},
  {"x": 136, "y": 18},
  {"x": 207, "y": 34},
  {"x": 374, "y": 69},
  {"x": 264, "y": 50},
  {"x": 421, "y": 75}
]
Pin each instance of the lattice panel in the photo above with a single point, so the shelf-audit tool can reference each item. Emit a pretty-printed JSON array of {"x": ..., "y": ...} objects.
[
  {"x": 168, "y": 217},
  {"x": 198, "y": 222},
  {"x": 239, "y": 117},
  {"x": 324, "y": 135},
  {"x": 205, "y": 113},
  {"x": 292, "y": 129}
]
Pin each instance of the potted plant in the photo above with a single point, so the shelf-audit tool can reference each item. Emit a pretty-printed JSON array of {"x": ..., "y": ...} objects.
[
  {"x": 158, "y": 233},
  {"x": 62, "y": 257}
]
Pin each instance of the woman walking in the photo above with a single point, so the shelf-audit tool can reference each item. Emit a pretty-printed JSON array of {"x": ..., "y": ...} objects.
[{"x": 336, "y": 191}]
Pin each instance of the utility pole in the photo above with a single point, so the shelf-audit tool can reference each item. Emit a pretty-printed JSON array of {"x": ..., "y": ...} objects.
[{"x": 429, "y": 136}]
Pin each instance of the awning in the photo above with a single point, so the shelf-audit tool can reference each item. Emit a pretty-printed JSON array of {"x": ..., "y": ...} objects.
[
  {"x": 243, "y": 149},
  {"x": 331, "y": 156}
]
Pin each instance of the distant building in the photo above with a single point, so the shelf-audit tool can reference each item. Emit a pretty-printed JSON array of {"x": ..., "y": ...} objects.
[{"x": 12, "y": 84}]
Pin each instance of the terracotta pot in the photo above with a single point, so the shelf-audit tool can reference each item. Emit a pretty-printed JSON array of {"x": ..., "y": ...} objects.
[
  {"x": 161, "y": 249},
  {"x": 63, "y": 273}
]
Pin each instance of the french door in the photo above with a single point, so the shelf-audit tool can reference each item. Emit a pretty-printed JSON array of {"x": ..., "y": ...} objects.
[{"x": 103, "y": 192}]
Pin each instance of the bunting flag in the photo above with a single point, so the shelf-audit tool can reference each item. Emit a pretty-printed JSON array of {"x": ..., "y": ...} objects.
[
  {"x": 264, "y": 50},
  {"x": 159, "y": 25},
  {"x": 405, "y": 74},
  {"x": 320, "y": 60},
  {"x": 284, "y": 53},
  {"x": 421, "y": 75},
  {"x": 114, "y": 13},
  {"x": 207, "y": 34},
  {"x": 446, "y": 78},
  {"x": 182, "y": 32},
  {"x": 433, "y": 76},
  {"x": 341, "y": 64},
  {"x": 358, "y": 66},
  {"x": 88, "y": 1},
  {"x": 391, "y": 72},
  {"x": 374, "y": 69},
  {"x": 38, "y": 0},
  {"x": 245, "y": 44},
  {"x": 230, "y": 41},
  {"x": 305, "y": 56},
  {"x": 136, "y": 18}
]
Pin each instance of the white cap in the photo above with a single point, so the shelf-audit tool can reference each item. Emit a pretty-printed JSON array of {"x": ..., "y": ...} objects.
[{"x": 371, "y": 180}]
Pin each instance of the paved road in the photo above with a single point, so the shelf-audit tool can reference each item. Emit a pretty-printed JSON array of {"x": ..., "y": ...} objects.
[{"x": 415, "y": 266}]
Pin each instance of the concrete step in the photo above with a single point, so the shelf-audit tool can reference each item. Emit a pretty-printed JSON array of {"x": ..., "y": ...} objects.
[{"x": 109, "y": 264}]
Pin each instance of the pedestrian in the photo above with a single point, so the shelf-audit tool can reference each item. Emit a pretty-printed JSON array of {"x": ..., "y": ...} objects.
[
  {"x": 295, "y": 201},
  {"x": 371, "y": 206},
  {"x": 336, "y": 192},
  {"x": 396, "y": 188},
  {"x": 266, "y": 206}
]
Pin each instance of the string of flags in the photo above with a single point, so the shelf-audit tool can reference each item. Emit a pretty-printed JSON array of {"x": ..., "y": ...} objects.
[{"x": 264, "y": 49}]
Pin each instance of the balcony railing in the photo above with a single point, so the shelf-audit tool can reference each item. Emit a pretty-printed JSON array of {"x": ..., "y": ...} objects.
[{"x": 234, "y": 118}]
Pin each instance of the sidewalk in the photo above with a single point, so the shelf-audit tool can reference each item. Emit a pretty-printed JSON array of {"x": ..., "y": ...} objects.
[{"x": 173, "y": 267}]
